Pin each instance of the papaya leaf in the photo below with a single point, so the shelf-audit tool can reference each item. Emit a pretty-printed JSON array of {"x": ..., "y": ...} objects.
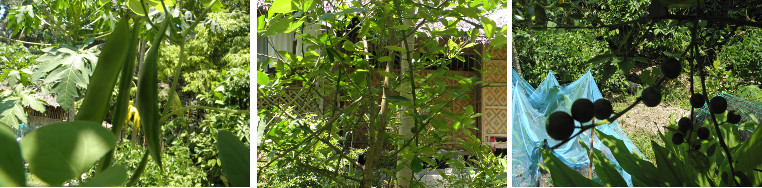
[{"x": 68, "y": 70}]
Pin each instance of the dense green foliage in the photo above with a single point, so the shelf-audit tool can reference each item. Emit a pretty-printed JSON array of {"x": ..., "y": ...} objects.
[{"x": 365, "y": 62}]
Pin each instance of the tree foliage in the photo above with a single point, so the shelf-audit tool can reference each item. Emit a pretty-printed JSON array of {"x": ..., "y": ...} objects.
[{"x": 381, "y": 70}]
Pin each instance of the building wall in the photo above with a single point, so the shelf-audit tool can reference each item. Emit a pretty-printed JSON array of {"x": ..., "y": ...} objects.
[{"x": 494, "y": 110}]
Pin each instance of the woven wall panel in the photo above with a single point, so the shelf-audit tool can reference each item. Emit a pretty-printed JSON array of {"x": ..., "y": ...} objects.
[
  {"x": 303, "y": 104},
  {"x": 495, "y": 113},
  {"x": 495, "y": 121}
]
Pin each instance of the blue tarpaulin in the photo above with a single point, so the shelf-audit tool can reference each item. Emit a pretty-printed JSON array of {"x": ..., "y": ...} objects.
[{"x": 532, "y": 106}]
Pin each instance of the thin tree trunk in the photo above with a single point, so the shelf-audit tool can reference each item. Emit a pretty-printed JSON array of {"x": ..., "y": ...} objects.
[
  {"x": 407, "y": 122},
  {"x": 378, "y": 134},
  {"x": 516, "y": 64}
]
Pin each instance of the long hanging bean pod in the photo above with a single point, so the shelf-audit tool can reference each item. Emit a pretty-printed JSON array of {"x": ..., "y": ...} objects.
[
  {"x": 110, "y": 62},
  {"x": 147, "y": 95},
  {"x": 122, "y": 105}
]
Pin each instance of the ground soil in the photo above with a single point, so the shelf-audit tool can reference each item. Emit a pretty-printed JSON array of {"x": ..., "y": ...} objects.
[{"x": 650, "y": 119}]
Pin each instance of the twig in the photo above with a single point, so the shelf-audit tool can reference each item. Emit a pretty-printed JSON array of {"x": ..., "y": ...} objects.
[
  {"x": 717, "y": 126},
  {"x": 24, "y": 42}
]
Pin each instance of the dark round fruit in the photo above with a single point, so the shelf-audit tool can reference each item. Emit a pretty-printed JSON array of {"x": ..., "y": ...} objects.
[
  {"x": 651, "y": 96},
  {"x": 560, "y": 125},
  {"x": 718, "y": 105},
  {"x": 703, "y": 133},
  {"x": 583, "y": 110},
  {"x": 697, "y": 100},
  {"x": 733, "y": 117},
  {"x": 684, "y": 125},
  {"x": 671, "y": 68},
  {"x": 603, "y": 109},
  {"x": 677, "y": 138}
]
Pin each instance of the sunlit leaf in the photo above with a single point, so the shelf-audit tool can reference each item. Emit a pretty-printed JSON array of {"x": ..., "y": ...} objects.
[
  {"x": 750, "y": 152},
  {"x": 12, "y": 172},
  {"x": 61, "y": 151},
  {"x": 235, "y": 158},
  {"x": 562, "y": 175},
  {"x": 112, "y": 177},
  {"x": 281, "y": 6}
]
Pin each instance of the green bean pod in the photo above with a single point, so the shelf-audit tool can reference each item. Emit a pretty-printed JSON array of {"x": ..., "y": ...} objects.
[
  {"x": 147, "y": 100},
  {"x": 125, "y": 83},
  {"x": 110, "y": 61}
]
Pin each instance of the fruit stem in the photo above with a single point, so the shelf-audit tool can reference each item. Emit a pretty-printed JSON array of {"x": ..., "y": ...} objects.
[
  {"x": 717, "y": 126},
  {"x": 613, "y": 118}
]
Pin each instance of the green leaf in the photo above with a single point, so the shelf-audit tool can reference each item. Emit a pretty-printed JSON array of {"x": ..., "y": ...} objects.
[
  {"x": 281, "y": 6},
  {"x": 12, "y": 172},
  {"x": 489, "y": 27},
  {"x": 384, "y": 59},
  {"x": 439, "y": 123},
  {"x": 33, "y": 102},
  {"x": 698, "y": 160},
  {"x": 235, "y": 158},
  {"x": 397, "y": 99},
  {"x": 260, "y": 24},
  {"x": 68, "y": 70},
  {"x": 671, "y": 169},
  {"x": 262, "y": 78},
  {"x": 386, "y": 74},
  {"x": 679, "y": 3},
  {"x": 11, "y": 112},
  {"x": 217, "y": 7},
  {"x": 137, "y": 8},
  {"x": 749, "y": 153},
  {"x": 112, "y": 177},
  {"x": 278, "y": 25},
  {"x": 539, "y": 13},
  {"x": 401, "y": 27},
  {"x": 729, "y": 133},
  {"x": 293, "y": 26},
  {"x": 638, "y": 168},
  {"x": 610, "y": 177},
  {"x": 62, "y": 151},
  {"x": 396, "y": 48},
  {"x": 562, "y": 175},
  {"x": 598, "y": 59},
  {"x": 349, "y": 46},
  {"x": 416, "y": 165},
  {"x": 306, "y": 5}
]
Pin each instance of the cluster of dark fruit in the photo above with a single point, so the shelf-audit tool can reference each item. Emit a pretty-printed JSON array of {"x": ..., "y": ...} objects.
[
  {"x": 560, "y": 125},
  {"x": 717, "y": 105}
]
